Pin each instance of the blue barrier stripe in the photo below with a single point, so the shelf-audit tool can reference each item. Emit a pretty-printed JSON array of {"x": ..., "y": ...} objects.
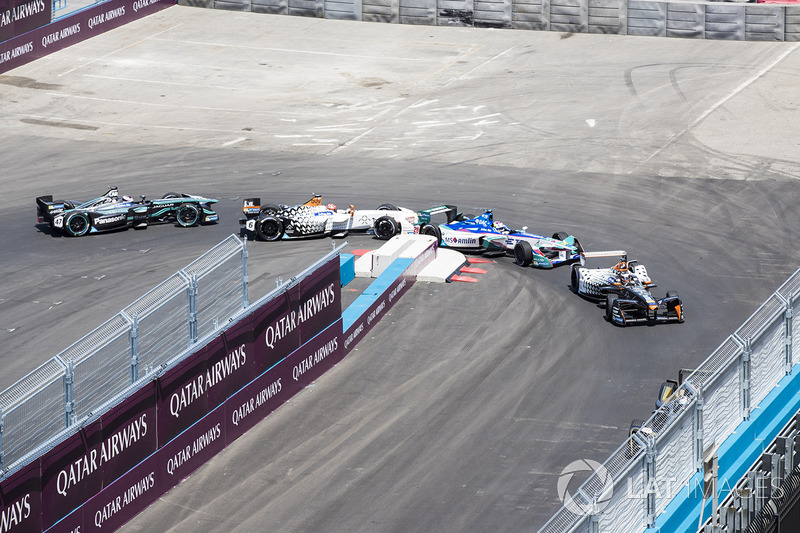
[
  {"x": 375, "y": 290},
  {"x": 736, "y": 454}
]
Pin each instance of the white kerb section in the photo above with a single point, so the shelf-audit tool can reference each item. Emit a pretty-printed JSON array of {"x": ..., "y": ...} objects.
[{"x": 436, "y": 269}]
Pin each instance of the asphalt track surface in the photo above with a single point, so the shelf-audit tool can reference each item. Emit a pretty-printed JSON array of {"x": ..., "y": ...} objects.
[{"x": 461, "y": 408}]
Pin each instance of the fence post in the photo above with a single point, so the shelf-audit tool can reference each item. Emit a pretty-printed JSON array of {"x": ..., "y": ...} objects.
[
  {"x": 697, "y": 429},
  {"x": 245, "y": 280},
  {"x": 650, "y": 481},
  {"x": 135, "y": 349},
  {"x": 787, "y": 332},
  {"x": 69, "y": 394},
  {"x": 192, "y": 297},
  {"x": 744, "y": 375}
]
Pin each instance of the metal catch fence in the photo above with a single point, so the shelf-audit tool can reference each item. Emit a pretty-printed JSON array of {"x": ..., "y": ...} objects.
[
  {"x": 644, "y": 474},
  {"x": 122, "y": 353}
]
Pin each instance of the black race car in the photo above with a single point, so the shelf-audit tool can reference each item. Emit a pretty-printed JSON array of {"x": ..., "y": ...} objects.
[
  {"x": 112, "y": 211},
  {"x": 625, "y": 287}
]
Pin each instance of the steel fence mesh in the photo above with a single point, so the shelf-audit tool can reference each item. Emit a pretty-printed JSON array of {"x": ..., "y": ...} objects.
[
  {"x": 721, "y": 413},
  {"x": 626, "y": 509},
  {"x": 791, "y": 287},
  {"x": 715, "y": 363},
  {"x": 37, "y": 417},
  {"x": 210, "y": 260},
  {"x": 164, "y": 332},
  {"x": 89, "y": 344},
  {"x": 99, "y": 378},
  {"x": 767, "y": 360},
  {"x": 762, "y": 318},
  {"x": 219, "y": 295},
  {"x": 674, "y": 457},
  {"x": 167, "y": 290}
]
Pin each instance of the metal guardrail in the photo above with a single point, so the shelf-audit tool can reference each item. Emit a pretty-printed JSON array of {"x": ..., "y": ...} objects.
[
  {"x": 129, "y": 348},
  {"x": 657, "y": 461}
]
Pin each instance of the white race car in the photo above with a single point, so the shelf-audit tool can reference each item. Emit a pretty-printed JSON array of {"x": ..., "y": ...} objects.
[{"x": 272, "y": 222}]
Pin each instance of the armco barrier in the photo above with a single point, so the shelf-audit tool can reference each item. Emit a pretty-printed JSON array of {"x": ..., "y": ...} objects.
[{"x": 116, "y": 465}]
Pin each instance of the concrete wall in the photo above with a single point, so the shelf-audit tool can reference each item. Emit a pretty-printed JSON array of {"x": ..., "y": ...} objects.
[{"x": 733, "y": 21}]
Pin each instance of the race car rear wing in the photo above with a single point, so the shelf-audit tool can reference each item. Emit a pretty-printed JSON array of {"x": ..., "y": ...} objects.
[
  {"x": 450, "y": 211},
  {"x": 46, "y": 208},
  {"x": 622, "y": 254}
]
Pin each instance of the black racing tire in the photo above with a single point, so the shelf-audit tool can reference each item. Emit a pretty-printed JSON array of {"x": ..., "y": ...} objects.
[
  {"x": 574, "y": 279},
  {"x": 270, "y": 209},
  {"x": 269, "y": 228},
  {"x": 611, "y": 299},
  {"x": 386, "y": 227},
  {"x": 433, "y": 230},
  {"x": 560, "y": 235},
  {"x": 172, "y": 195},
  {"x": 187, "y": 215},
  {"x": 462, "y": 217},
  {"x": 67, "y": 204},
  {"x": 387, "y": 207},
  {"x": 77, "y": 224},
  {"x": 523, "y": 253}
]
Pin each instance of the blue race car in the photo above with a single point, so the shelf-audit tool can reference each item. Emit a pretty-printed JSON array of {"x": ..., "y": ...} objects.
[
  {"x": 485, "y": 235},
  {"x": 112, "y": 211}
]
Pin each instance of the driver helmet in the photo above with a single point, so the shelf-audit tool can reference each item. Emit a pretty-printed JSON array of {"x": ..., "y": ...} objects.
[
  {"x": 622, "y": 266},
  {"x": 331, "y": 207},
  {"x": 127, "y": 198},
  {"x": 499, "y": 226}
]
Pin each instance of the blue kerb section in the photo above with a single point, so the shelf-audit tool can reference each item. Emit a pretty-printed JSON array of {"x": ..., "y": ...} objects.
[
  {"x": 347, "y": 268},
  {"x": 736, "y": 454},
  {"x": 374, "y": 291}
]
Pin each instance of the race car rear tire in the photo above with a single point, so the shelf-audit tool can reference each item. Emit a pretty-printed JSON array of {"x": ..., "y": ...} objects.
[
  {"x": 77, "y": 224},
  {"x": 269, "y": 228},
  {"x": 172, "y": 195},
  {"x": 523, "y": 253},
  {"x": 432, "y": 230},
  {"x": 270, "y": 209},
  {"x": 560, "y": 235},
  {"x": 387, "y": 207},
  {"x": 386, "y": 227},
  {"x": 187, "y": 215},
  {"x": 462, "y": 217}
]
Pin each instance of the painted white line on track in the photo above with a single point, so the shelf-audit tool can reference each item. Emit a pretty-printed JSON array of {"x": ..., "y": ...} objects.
[
  {"x": 162, "y": 82},
  {"x": 296, "y": 51},
  {"x": 235, "y": 141},
  {"x": 95, "y": 60}
]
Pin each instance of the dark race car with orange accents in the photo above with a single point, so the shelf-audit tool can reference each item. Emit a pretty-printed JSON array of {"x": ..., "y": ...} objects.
[{"x": 625, "y": 287}]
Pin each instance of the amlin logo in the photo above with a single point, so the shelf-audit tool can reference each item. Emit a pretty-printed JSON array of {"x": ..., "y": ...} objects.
[{"x": 585, "y": 468}]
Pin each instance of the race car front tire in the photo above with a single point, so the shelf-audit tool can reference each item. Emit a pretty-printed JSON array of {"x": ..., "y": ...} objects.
[
  {"x": 523, "y": 253},
  {"x": 269, "y": 228},
  {"x": 386, "y": 227},
  {"x": 575, "y": 279},
  {"x": 611, "y": 300},
  {"x": 387, "y": 207},
  {"x": 77, "y": 224},
  {"x": 434, "y": 231},
  {"x": 187, "y": 215},
  {"x": 172, "y": 195},
  {"x": 560, "y": 236}
]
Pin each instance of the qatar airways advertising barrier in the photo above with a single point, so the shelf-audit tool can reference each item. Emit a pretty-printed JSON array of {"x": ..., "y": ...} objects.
[
  {"x": 114, "y": 467},
  {"x": 26, "y": 32}
]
